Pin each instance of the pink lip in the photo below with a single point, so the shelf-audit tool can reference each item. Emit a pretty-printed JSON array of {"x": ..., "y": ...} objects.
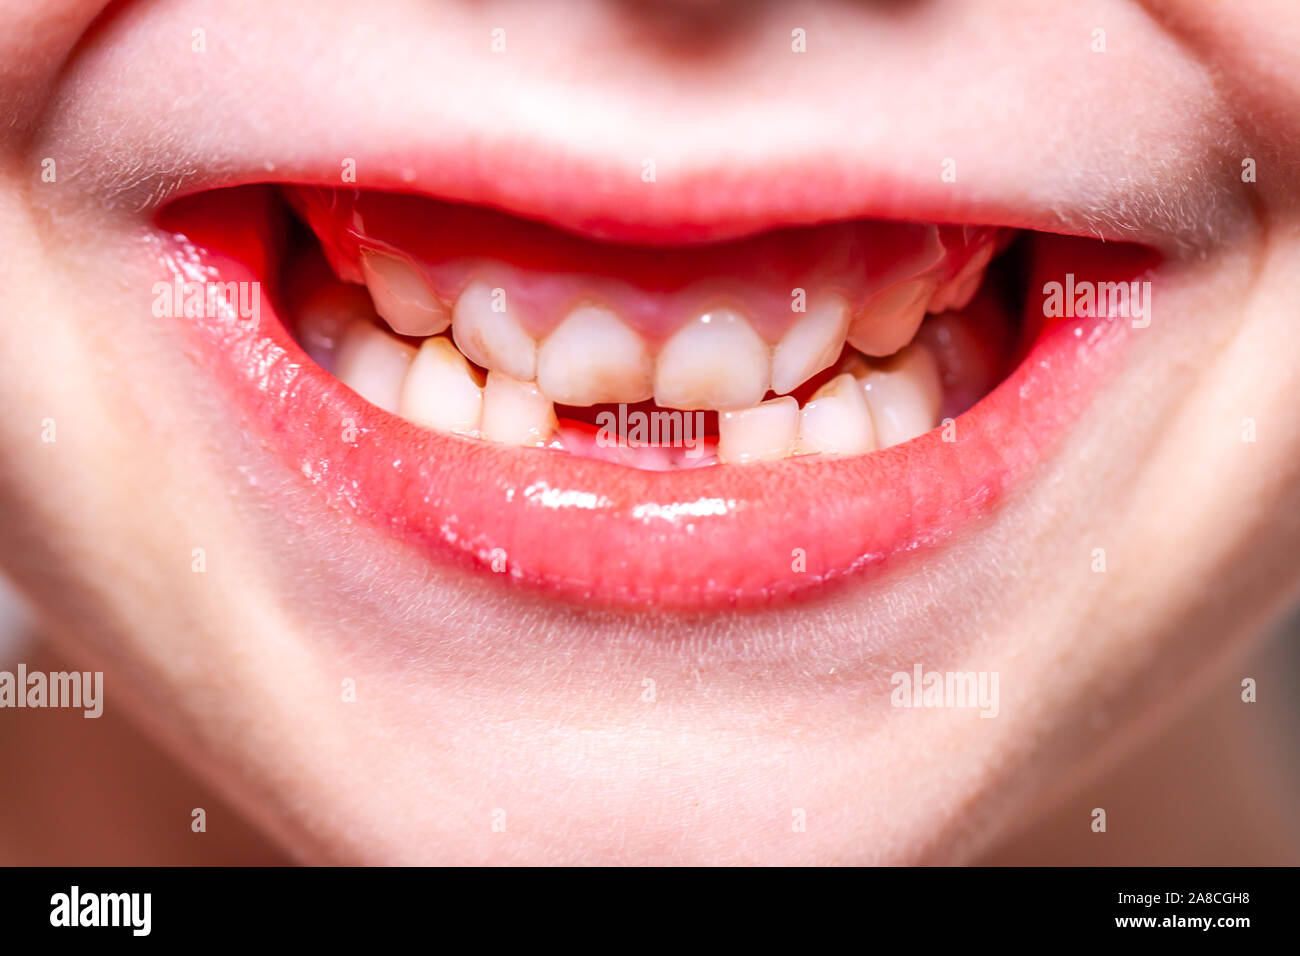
[{"x": 595, "y": 531}]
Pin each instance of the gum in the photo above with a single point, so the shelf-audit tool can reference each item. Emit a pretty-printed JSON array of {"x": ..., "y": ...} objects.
[{"x": 545, "y": 272}]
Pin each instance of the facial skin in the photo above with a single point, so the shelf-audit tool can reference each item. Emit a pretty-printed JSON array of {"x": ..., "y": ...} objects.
[{"x": 476, "y": 703}]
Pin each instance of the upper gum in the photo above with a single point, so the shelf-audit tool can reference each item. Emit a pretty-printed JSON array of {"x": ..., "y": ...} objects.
[
  {"x": 772, "y": 323},
  {"x": 541, "y": 298}
]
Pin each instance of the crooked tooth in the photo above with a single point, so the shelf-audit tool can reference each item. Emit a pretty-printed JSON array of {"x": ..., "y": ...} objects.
[
  {"x": 904, "y": 395},
  {"x": 836, "y": 420},
  {"x": 373, "y": 363},
  {"x": 957, "y": 292},
  {"x": 977, "y": 263},
  {"x": 593, "y": 357},
  {"x": 491, "y": 338},
  {"x": 401, "y": 296},
  {"x": 761, "y": 433},
  {"x": 811, "y": 344},
  {"x": 964, "y": 290},
  {"x": 891, "y": 319},
  {"x": 715, "y": 361},
  {"x": 515, "y": 412},
  {"x": 441, "y": 391},
  {"x": 941, "y": 296}
]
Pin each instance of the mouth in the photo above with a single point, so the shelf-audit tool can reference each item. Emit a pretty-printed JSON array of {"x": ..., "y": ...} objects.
[
  {"x": 792, "y": 342},
  {"x": 683, "y": 421}
]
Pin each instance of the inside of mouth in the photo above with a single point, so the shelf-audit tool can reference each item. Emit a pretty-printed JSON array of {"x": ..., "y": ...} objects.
[
  {"x": 799, "y": 343},
  {"x": 838, "y": 339}
]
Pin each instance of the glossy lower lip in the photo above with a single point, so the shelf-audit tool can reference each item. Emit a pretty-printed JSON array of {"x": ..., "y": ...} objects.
[{"x": 593, "y": 531}]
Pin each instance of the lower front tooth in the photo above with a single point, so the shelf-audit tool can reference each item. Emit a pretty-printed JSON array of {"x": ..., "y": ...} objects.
[
  {"x": 516, "y": 413},
  {"x": 904, "y": 395},
  {"x": 715, "y": 361},
  {"x": 373, "y": 364},
  {"x": 401, "y": 296},
  {"x": 441, "y": 391},
  {"x": 836, "y": 420},
  {"x": 890, "y": 321},
  {"x": 761, "y": 433},
  {"x": 593, "y": 357}
]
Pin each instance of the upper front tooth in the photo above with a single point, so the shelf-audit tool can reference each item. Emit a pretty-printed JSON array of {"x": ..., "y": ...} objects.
[
  {"x": 811, "y": 344},
  {"x": 593, "y": 357},
  {"x": 490, "y": 335},
  {"x": 441, "y": 390},
  {"x": 904, "y": 395},
  {"x": 373, "y": 363},
  {"x": 515, "y": 412},
  {"x": 761, "y": 433},
  {"x": 715, "y": 361},
  {"x": 836, "y": 420},
  {"x": 891, "y": 319},
  {"x": 401, "y": 296}
]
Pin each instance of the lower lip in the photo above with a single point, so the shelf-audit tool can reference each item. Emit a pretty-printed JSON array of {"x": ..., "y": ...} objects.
[{"x": 591, "y": 531}]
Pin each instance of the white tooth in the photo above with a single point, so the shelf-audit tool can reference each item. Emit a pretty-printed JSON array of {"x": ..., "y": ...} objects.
[
  {"x": 373, "y": 363},
  {"x": 891, "y": 319},
  {"x": 957, "y": 292},
  {"x": 811, "y": 344},
  {"x": 977, "y": 263},
  {"x": 515, "y": 412},
  {"x": 904, "y": 395},
  {"x": 714, "y": 361},
  {"x": 962, "y": 292},
  {"x": 593, "y": 357},
  {"x": 760, "y": 433},
  {"x": 441, "y": 391},
  {"x": 836, "y": 420},
  {"x": 491, "y": 338},
  {"x": 401, "y": 296},
  {"x": 941, "y": 296}
]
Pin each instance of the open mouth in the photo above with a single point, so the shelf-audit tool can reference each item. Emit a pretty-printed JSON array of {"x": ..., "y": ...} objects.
[
  {"x": 685, "y": 424},
  {"x": 794, "y": 342}
]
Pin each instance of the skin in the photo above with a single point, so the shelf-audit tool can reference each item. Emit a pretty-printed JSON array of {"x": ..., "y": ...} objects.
[{"x": 475, "y": 703}]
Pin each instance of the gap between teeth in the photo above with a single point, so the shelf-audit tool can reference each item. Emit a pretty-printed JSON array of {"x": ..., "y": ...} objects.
[
  {"x": 715, "y": 361},
  {"x": 869, "y": 405}
]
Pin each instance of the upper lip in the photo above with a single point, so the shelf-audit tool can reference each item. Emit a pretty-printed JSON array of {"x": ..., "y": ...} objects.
[
  {"x": 588, "y": 196},
  {"x": 774, "y": 162}
]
